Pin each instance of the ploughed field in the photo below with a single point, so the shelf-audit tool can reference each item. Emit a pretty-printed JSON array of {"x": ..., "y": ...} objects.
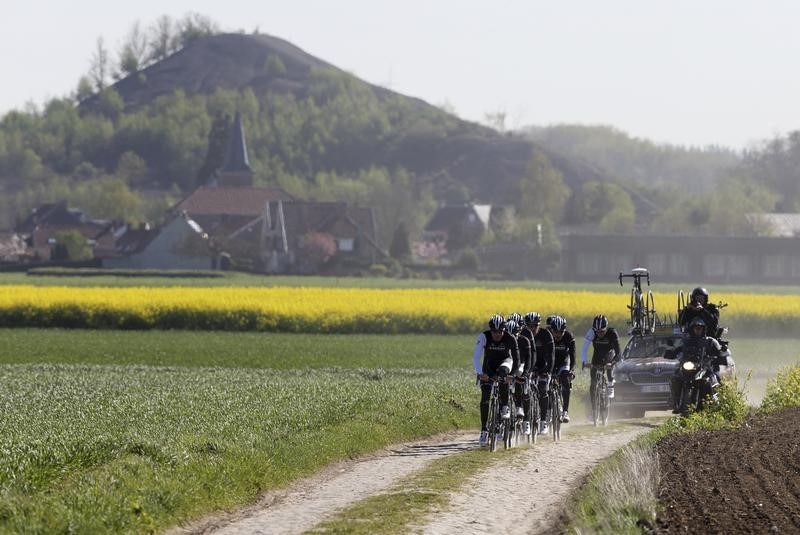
[{"x": 743, "y": 480}]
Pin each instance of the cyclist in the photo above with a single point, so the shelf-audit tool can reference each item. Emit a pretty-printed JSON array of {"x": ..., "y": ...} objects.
[
  {"x": 604, "y": 340},
  {"x": 520, "y": 397},
  {"x": 564, "y": 363},
  {"x": 699, "y": 307},
  {"x": 543, "y": 367},
  {"x": 496, "y": 355}
]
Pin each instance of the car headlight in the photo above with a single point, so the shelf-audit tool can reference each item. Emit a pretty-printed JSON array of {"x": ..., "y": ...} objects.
[
  {"x": 624, "y": 377},
  {"x": 689, "y": 366}
]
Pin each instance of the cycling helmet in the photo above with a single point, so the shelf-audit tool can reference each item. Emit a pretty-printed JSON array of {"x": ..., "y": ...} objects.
[
  {"x": 532, "y": 317},
  {"x": 513, "y": 327},
  {"x": 600, "y": 322},
  {"x": 699, "y": 291},
  {"x": 550, "y": 319},
  {"x": 558, "y": 323},
  {"x": 497, "y": 322},
  {"x": 515, "y": 316}
]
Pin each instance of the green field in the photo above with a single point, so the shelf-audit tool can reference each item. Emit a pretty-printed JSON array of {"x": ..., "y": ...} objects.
[
  {"x": 129, "y": 431},
  {"x": 132, "y": 431}
]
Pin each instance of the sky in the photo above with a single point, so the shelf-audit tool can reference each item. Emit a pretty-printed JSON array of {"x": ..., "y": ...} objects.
[{"x": 685, "y": 72}]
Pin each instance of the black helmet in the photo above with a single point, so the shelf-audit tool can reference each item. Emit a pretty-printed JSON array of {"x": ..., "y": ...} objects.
[
  {"x": 697, "y": 322},
  {"x": 532, "y": 317},
  {"x": 600, "y": 322},
  {"x": 497, "y": 322},
  {"x": 515, "y": 316},
  {"x": 697, "y": 292},
  {"x": 513, "y": 327}
]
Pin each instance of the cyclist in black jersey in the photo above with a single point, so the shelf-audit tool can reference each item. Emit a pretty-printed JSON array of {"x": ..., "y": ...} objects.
[
  {"x": 521, "y": 398},
  {"x": 564, "y": 363},
  {"x": 605, "y": 342},
  {"x": 543, "y": 367},
  {"x": 496, "y": 355}
]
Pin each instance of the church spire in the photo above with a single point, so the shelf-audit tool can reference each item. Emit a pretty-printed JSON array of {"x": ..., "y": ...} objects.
[{"x": 235, "y": 170}]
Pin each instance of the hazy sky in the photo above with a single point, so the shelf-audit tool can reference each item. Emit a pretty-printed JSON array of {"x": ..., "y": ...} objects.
[{"x": 692, "y": 72}]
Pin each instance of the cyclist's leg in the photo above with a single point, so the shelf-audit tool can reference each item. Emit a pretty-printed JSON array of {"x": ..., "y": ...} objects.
[
  {"x": 566, "y": 389},
  {"x": 544, "y": 396},
  {"x": 486, "y": 391},
  {"x": 592, "y": 389}
]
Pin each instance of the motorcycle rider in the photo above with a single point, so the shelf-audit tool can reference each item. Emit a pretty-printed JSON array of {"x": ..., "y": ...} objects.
[
  {"x": 521, "y": 397},
  {"x": 496, "y": 355},
  {"x": 699, "y": 307},
  {"x": 604, "y": 340},
  {"x": 543, "y": 367},
  {"x": 694, "y": 346},
  {"x": 564, "y": 362}
]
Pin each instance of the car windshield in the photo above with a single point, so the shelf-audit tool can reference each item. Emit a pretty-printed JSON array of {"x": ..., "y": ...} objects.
[{"x": 649, "y": 346}]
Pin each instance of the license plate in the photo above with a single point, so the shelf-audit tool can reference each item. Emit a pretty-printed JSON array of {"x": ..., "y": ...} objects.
[{"x": 655, "y": 388}]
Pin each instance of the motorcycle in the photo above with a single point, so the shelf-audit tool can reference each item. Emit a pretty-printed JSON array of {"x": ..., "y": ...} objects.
[{"x": 696, "y": 381}]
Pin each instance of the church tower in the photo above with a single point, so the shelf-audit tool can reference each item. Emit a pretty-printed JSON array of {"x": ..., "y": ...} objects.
[{"x": 235, "y": 170}]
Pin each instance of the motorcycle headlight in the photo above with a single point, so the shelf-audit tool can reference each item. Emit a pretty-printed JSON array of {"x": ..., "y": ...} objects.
[{"x": 689, "y": 366}]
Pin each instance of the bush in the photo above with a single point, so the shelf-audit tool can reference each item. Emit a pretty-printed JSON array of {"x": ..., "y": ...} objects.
[{"x": 784, "y": 390}]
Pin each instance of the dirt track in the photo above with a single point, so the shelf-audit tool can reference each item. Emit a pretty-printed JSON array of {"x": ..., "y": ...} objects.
[
  {"x": 560, "y": 467},
  {"x": 739, "y": 481}
]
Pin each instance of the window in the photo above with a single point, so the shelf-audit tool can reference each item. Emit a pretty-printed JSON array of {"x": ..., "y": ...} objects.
[
  {"x": 678, "y": 264},
  {"x": 714, "y": 265},
  {"x": 346, "y": 245}
]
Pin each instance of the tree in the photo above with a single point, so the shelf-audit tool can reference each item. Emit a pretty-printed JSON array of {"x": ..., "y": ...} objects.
[
  {"x": 194, "y": 26},
  {"x": 400, "y": 248},
  {"x": 71, "y": 245},
  {"x": 542, "y": 191},
  {"x": 84, "y": 89},
  {"x": 133, "y": 52},
  {"x": 316, "y": 248},
  {"x": 99, "y": 66},
  {"x": 162, "y": 38}
]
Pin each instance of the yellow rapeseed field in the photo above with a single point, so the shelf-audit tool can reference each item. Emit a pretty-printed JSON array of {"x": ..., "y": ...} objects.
[{"x": 345, "y": 310}]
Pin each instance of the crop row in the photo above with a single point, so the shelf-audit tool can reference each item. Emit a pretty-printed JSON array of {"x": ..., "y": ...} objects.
[
  {"x": 345, "y": 310},
  {"x": 135, "y": 448}
]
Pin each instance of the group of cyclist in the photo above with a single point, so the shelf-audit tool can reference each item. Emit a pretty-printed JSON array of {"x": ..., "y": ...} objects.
[{"x": 517, "y": 348}]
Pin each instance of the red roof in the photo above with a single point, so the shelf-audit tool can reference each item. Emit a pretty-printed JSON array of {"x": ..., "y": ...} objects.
[{"x": 247, "y": 201}]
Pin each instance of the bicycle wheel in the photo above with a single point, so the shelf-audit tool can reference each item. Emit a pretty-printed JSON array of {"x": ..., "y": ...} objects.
[
  {"x": 528, "y": 415},
  {"x": 604, "y": 402},
  {"x": 596, "y": 400},
  {"x": 492, "y": 424},
  {"x": 536, "y": 415},
  {"x": 632, "y": 307},
  {"x": 650, "y": 312},
  {"x": 557, "y": 407}
]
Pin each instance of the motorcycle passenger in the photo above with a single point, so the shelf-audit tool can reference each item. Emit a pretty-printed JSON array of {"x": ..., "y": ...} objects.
[
  {"x": 604, "y": 340},
  {"x": 521, "y": 397},
  {"x": 699, "y": 307},
  {"x": 496, "y": 355},
  {"x": 564, "y": 362},
  {"x": 695, "y": 345},
  {"x": 543, "y": 368}
]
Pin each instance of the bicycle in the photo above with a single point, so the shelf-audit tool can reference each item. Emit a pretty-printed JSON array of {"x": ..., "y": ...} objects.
[
  {"x": 643, "y": 309},
  {"x": 556, "y": 406},
  {"x": 496, "y": 425},
  {"x": 530, "y": 404},
  {"x": 600, "y": 401}
]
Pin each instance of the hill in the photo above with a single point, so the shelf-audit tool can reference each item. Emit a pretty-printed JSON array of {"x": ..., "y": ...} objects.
[{"x": 435, "y": 146}]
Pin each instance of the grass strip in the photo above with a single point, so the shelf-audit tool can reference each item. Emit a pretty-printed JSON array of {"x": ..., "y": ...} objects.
[{"x": 426, "y": 491}]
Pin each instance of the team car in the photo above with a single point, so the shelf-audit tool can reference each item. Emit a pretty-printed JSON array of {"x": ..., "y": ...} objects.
[{"x": 642, "y": 377}]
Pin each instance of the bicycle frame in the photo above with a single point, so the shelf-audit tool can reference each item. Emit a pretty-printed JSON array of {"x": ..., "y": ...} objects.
[{"x": 643, "y": 309}]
